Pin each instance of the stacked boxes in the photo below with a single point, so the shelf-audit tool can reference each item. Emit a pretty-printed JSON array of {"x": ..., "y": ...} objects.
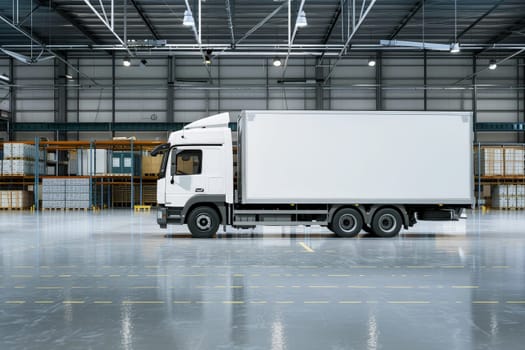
[
  {"x": 19, "y": 159},
  {"x": 77, "y": 193},
  {"x": 508, "y": 197},
  {"x": 151, "y": 165},
  {"x": 53, "y": 193},
  {"x": 125, "y": 163},
  {"x": 490, "y": 161},
  {"x": 514, "y": 161},
  {"x": 15, "y": 199},
  {"x": 65, "y": 193}
]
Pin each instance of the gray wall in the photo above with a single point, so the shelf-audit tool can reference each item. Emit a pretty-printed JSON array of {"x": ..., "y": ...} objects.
[{"x": 251, "y": 83}]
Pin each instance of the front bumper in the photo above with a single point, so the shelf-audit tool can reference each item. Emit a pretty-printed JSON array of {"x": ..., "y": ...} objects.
[{"x": 169, "y": 215}]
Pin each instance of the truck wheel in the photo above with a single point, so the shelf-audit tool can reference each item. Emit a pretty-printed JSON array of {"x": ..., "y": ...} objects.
[
  {"x": 386, "y": 222},
  {"x": 347, "y": 222},
  {"x": 203, "y": 222}
]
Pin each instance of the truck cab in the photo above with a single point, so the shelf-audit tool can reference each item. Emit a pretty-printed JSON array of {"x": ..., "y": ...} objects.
[{"x": 197, "y": 169}]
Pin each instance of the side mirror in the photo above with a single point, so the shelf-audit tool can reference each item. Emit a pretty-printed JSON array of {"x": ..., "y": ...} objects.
[{"x": 159, "y": 149}]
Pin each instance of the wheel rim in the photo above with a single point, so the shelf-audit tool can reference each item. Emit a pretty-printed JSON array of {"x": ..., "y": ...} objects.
[
  {"x": 387, "y": 223},
  {"x": 347, "y": 223},
  {"x": 203, "y": 222}
]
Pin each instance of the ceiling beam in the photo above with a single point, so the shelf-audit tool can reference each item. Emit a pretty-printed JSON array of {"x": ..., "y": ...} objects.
[
  {"x": 332, "y": 24},
  {"x": 145, "y": 19},
  {"x": 230, "y": 21},
  {"x": 516, "y": 27},
  {"x": 415, "y": 9},
  {"x": 68, "y": 18},
  {"x": 479, "y": 19}
]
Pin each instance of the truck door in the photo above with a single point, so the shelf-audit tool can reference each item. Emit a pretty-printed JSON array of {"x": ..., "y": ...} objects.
[{"x": 184, "y": 178}]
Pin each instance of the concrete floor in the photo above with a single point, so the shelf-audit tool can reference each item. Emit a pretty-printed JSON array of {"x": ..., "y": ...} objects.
[{"x": 112, "y": 280}]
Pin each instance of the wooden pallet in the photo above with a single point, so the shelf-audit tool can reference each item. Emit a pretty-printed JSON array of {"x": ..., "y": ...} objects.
[
  {"x": 66, "y": 209},
  {"x": 142, "y": 208},
  {"x": 14, "y": 208}
]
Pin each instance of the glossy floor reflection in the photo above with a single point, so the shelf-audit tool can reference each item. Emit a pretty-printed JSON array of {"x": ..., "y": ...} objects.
[{"x": 113, "y": 280}]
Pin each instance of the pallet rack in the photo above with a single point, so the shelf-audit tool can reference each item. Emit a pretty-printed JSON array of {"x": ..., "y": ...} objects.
[{"x": 101, "y": 185}]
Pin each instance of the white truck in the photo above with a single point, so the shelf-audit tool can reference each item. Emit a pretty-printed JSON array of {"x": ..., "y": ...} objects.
[{"x": 346, "y": 170}]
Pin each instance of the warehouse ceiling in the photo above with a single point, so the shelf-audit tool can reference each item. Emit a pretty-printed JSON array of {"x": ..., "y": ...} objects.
[{"x": 259, "y": 27}]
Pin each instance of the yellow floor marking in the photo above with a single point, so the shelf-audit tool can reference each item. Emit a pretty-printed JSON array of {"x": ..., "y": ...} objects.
[
  {"x": 452, "y": 266},
  {"x": 323, "y": 287},
  {"x": 102, "y": 287},
  {"x": 296, "y": 286},
  {"x": 363, "y": 267},
  {"x": 44, "y": 266},
  {"x": 258, "y": 302},
  {"x": 144, "y": 287},
  {"x": 15, "y": 302},
  {"x": 43, "y": 302},
  {"x": 339, "y": 275},
  {"x": 306, "y": 248},
  {"x": 465, "y": 287},
  {"x": 316, "y": 302},
  {"x": 409, "y": 302},
  {"x": 114, "y": 276},
  {"x": 143, "y": 302},
  {"x": 133, "y": 275},
  {"x": 285, "y": 302},
  {"x": 420, "y": 267},
  {"x": 182, "y": 302},
  {"x": 50, "y": 287},
  {"x": 19, "y": 287},
  {"x": 361, "y": 287},
  {"x": 219, "y": 287},
  {"x": 238, "y": 275},
  {"x": 64, "y": 276},
  {"x": 350, "y": 302},
  {"x": 236, "y": 287},
  {"x": 515, "y": 301},
  {"x": 102, "y": 302},
  {"x": 78, "y": 287},
  {"x": 485, "y": 302},
  {"x": 254, "y": 286},
  {"x": 73, "y": 302},
  {"x": 233, "y": 302},
  {"x": 399, "y": 287},
  {"x": 203, "y": 302}
]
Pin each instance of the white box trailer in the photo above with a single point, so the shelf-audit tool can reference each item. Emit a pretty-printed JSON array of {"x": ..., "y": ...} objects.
[{"x": 347, "y": 170}]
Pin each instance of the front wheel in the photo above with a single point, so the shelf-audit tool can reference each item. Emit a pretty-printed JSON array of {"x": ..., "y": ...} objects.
[
  {"x": 386, "y": 222},
  {"x": 203, "y": 222},
  {"x": 347, "y": 222}
]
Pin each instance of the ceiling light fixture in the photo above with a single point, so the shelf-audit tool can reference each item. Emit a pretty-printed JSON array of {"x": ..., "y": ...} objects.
[
  {"x": 143, "y": 62},
  {"x": 69, "y": 76},
  {"x": 493, "y": 65},
  {"x": 301, "y": 20},
  {"x": 454, "y": 48},
  {"x": 188, "y": 19},
  {"x": 126, "y": 62},
  {"x": 277, "y": 62},
  {"x": 207, "y": 57},
  {"x": 371, "y": 62}
]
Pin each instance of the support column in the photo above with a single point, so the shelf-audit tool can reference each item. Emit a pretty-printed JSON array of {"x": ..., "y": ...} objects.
[
  {"x": 170, "y": 115},
  {"x": 474, "y": 97},
  {"x": 425, "y": 81},
  {"x": 113, "y": 113},
  {"x": 379, "y": 91},
  {"x": 319, "y": 92},
  {"x": 12, "y": 101},
  {"x": 60, "y": 97}
]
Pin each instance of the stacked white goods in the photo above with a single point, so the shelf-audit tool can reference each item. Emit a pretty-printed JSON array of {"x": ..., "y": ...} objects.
[
  {"x": 19, "y": 151},
  {"x": 491, "y": 161},
  {"x": 15, "y": 199},
  {"x": 53, "y": 193},
  {"x": 512, "y": 196},
  {"x": 520, "y": 196},
  {"x": 514, "y": 161},
  {"x": 500, "y": 199},
  {"x": 92, "y": 162},
  {"x": 19, "y": 159},
  {"x": 77, "y": 193}
]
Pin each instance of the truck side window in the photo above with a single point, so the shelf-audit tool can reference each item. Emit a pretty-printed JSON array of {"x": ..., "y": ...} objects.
[{"x": 189, "y": 162}]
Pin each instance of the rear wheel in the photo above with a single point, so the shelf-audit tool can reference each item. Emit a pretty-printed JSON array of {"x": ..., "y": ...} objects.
[
  {"x": 203, "y": 222},
  {"x": 386, "y": 222},
  {"x": 347, "y": 222}
]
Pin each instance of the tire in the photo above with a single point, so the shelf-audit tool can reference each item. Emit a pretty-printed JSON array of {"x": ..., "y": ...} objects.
[
  {"x": 203, "y": 222},
  {"x": 387, "y": 223},
  {"x": 347, "y": 222}
]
